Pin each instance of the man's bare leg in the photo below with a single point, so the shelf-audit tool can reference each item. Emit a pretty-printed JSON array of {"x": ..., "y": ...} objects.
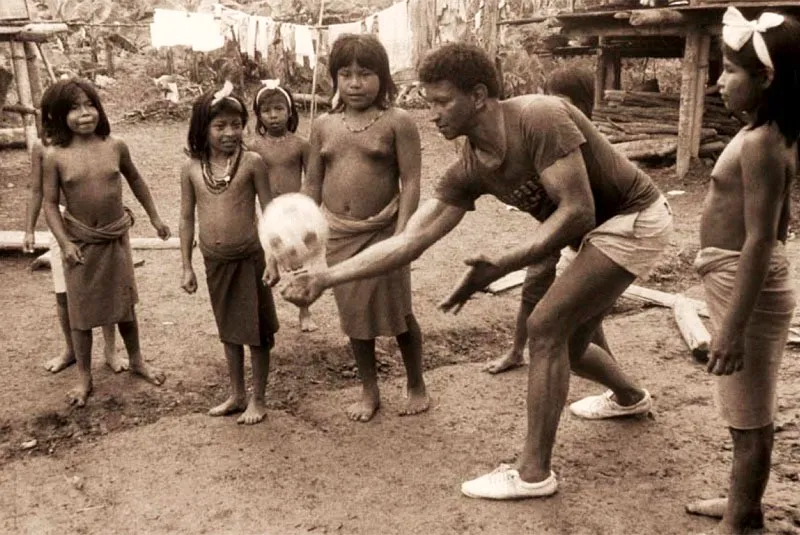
[
  {"x": 514, "y": 358},
  {"x": 597, "y": 364},
  {"x": 743, "y": 513},
  {"x": 307, "y": 323},
  {"x": 410, "y": 344},
  {"x": 364, "y": 409},
  {"x": 82, "y": 343},
  {"x": 66, "y": 360},
  {"x": 236, "y": 402},
  {"x": 129, "y": 330},
  {"x": 113, "y": 361},
  {"x": 257, "y": 407},
  {"x": 586, "y": 291}
]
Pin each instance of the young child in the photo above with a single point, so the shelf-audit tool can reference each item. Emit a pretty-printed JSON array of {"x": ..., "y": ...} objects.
[
  {"x": 742, "y": 260},
  {"x": 87, "y": 164},
  {"x": 56, "y": 364},
  {"x": 364, "y": 169},
  {"x": 221, "y": 181},
  {"x": 284, "y": 152},
  {"x": 576, "y": 86}
]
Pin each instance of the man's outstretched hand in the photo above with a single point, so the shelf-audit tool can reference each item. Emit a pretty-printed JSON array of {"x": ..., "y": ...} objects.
[
  {"x": 480, "y": 274},
  {"x": 304, "y": 288}
]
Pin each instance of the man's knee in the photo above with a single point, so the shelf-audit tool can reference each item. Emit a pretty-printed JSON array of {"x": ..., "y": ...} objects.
[
  {"x": 61, "y": 299},
  {"x": 544, "y": 333}
]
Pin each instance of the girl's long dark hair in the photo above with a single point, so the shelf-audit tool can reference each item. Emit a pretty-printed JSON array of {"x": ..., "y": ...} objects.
[
  {"x": 203, "y": 112},
  {"x": 56, "y": 104},
  {"x": 780, "y": 102},
  {"x": 261, "y": 96},
  {"x": 369, "y": 53}
]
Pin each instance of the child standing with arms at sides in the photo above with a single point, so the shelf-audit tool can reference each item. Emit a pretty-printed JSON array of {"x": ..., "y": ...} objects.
[
  {"x": 364, "y": 170},
  {"x": 56, "y": 364},
  {"x": 284, "y": 152},
  {"x": 742, "y": 260},
  {"x": 86, "y": 164},
  {"x": 221, "y": 181}
]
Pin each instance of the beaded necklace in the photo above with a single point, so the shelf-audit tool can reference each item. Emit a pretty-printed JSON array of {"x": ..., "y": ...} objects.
[
  {"x": 218, "y": 185},
  {"x": 363, "y": 128}
]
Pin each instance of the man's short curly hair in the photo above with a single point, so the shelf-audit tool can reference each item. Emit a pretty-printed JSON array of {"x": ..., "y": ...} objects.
[{"x": 463, "y": 65}]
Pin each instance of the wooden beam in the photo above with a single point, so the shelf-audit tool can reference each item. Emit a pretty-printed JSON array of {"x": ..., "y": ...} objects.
[
  {"x": 24, "y": 92},
  {"x": 656, "y": 17},
  {"x": 693, "y": 85},
  {"x": 616, "y": 28}
]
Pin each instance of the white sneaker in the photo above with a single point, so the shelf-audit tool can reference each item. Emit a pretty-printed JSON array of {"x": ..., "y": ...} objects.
[
  {"x": 504, "y": 483},
  {"x": 602, "y": 406}
]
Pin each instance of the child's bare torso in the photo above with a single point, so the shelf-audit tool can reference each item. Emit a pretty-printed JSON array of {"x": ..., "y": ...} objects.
[
  {"x": 361, "y": 169},
  {"x": 227, "y": 219},
  {"x": 722, "y": 223},
  {"x": 90, "y": 180},
  {"x": 284, "y": 161}
]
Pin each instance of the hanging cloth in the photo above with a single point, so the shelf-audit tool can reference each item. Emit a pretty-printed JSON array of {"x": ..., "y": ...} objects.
[{"x": 394, "y": 32}]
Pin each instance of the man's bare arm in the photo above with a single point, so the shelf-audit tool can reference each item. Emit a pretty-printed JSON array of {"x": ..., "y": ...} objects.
[
  {"x": 567, "y": 184},
  {"x": 429, "y": 224}
]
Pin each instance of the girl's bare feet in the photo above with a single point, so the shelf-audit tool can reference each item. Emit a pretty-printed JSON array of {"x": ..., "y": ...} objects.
[
  {"x": 56, "y": 364},
  {"x": 256, "y": 411},
  {"x": 151, "y": 375},
  {"x": 417, "y": 401},
  {"x": 364, "y": 409},
  {"x": 231, "y": 405},
  {"x": 509, "y": 361}
]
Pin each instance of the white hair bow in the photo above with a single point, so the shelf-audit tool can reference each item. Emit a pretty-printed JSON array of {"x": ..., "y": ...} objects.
[
  {"x": 225, "y": 92},
  {"x": 737, "y": 30},
  {"x": 275, "y": 85}
]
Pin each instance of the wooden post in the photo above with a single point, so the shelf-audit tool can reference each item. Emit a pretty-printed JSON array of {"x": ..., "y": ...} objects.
[
  {"x": 50, "y": 72},
  {"x": 491, "y": 16},
  {"x": 693, "y": 86},
  {"x": 601, "y": 72},
  {"x": 170, "y": 61},
  {"x": 109, "y": 58},
  {"x": 316, "y": 61},
  {"x": 24, "y": 91},
  {"x": 32, "y": 60}
]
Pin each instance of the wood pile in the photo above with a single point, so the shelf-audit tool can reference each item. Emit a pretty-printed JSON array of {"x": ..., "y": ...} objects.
[{"x": 644, "y": 125}]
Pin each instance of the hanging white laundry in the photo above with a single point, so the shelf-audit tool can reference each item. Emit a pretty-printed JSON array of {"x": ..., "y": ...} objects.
[
  {"x": 252, "y": 29},
  {"x": 394, "y": 32},
  {"x": 335, "y": 30},
  {"x": 266, "y": 33},
  {"x": 304, "y": 45},
  {"x": 169, "y": 28},
  {"x": 206, "y": 32}
]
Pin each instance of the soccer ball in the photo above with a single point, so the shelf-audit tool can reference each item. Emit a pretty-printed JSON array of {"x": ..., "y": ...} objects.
[{"x": 294, "y": 231}]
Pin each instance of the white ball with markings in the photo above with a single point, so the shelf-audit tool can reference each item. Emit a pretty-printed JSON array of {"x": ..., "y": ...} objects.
[{"x": 294, "y": 230}]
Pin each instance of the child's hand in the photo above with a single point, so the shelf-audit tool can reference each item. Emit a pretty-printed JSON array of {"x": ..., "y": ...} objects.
[
  {"x": 189, "y": 281},
  {"x": 72, "y": 254},
  {"x": 726, "y": 355},
  {"x": 161, "y": 228},
  {"x": 272, "y": 274},
  {"x": 28, "y": 242}
]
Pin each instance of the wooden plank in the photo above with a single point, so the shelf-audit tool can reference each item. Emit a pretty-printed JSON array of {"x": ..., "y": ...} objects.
[
  {"x": 656, "y": 17},
  {"x": 11, "y": 240}
]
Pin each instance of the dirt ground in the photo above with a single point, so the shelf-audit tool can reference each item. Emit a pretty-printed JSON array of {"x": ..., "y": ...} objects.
[{"x": 140, "y": 459}]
